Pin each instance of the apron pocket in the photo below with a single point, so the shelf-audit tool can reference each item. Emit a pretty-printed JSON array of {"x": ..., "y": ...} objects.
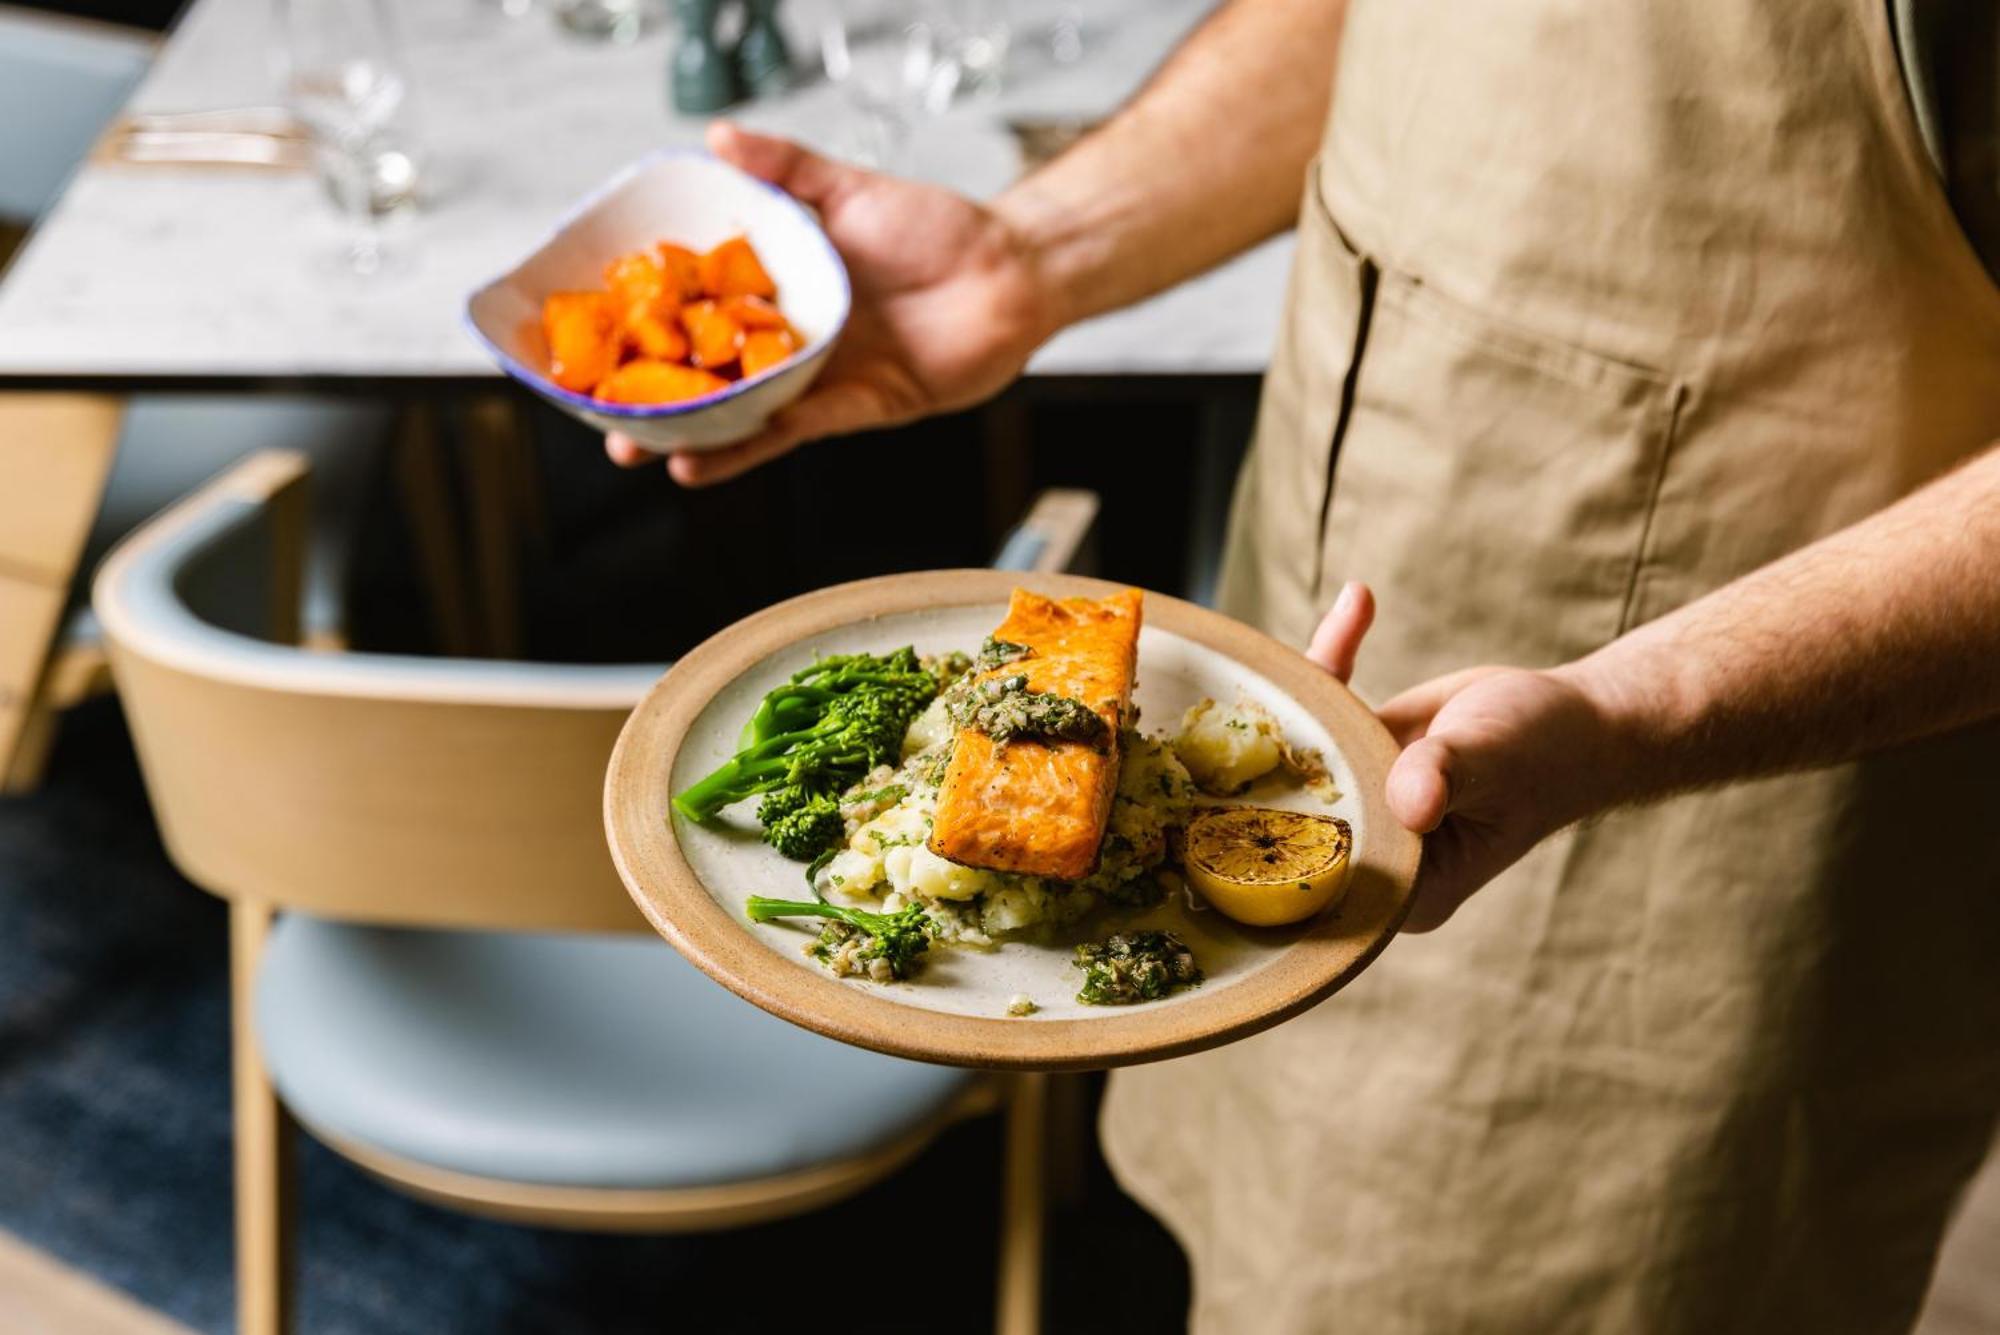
[
  {"x": 1495, "y": 488},
  {"x": 1281, "y": 492}
]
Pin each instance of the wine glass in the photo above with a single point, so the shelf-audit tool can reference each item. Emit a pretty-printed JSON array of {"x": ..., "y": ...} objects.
[
  {"x": 343, "y": 76},
  {"x": 977, "y": 35},
  {"x": 1066, "y": 33},
  {"x": 893, "y": 63},
  {"x": 619, "y": 22}
]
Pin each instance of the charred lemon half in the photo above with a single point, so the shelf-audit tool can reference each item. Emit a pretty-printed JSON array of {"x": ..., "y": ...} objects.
[{"x": 1265, "y": 867}]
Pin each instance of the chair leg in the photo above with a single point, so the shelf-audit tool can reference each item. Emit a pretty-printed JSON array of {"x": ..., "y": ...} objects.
[
  {"x": 1022, "y": 1208},
  {"x": 263, "y": 1148},
  {"x": 55, "y": 454},
  {"x": 32, "y": 744},
  {"x": 75, "y": 673}
]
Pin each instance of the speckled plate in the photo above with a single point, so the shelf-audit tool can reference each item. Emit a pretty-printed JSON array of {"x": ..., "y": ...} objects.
[{"x": 691, "y": 880}]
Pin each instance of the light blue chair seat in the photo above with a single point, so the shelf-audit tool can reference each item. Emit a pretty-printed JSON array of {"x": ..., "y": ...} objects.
[{"x": 588, "y": 1061}]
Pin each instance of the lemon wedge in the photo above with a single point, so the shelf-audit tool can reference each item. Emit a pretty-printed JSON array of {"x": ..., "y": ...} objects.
[{"x": 1266, "y": 867}]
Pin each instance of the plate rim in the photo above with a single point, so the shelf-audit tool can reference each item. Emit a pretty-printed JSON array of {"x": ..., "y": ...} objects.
[{"x": 645, "y": 846}]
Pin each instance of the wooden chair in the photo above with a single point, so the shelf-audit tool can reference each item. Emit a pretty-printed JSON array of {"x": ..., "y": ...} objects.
[{"x": 434, "y": 967}]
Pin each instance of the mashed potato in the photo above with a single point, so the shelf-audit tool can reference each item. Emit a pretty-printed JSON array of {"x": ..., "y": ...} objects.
[{"x": 1227, "y": 750}]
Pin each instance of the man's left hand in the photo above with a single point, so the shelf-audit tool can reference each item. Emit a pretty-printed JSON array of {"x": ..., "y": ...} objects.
[{"x": 1494, "y": 760}]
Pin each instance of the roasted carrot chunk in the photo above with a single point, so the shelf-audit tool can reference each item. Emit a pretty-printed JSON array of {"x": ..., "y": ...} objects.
[
  {"x": 648, "y": 381},
  {"x": 683, "y": 269},
  {"x": 714, "y": 336},
  {"x": 765, "y": 348},
  {"x": 638, "y": 283},
  {"x": 754, "y": 313},
  {"x": 732, "y": 269},
  {"x": 661, "y": 340},
  {"x": 670, "y": 324},
  {"x": 582, "y": 345}
]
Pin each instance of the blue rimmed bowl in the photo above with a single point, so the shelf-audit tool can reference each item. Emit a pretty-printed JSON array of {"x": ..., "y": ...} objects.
[{"x": 697, "y": 201}]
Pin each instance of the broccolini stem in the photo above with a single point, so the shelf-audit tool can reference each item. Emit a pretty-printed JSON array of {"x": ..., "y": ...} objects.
[
  {"x": 757, "y": 769},
  {"x": 790, "y": 698},
  {"x": 703, "y": 798},
  {"x": 761, "y": 909},
  {"x": 732, "y": 781}
]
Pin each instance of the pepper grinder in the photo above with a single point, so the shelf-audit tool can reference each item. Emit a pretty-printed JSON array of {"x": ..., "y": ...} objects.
[
  {"x": 702, "y": 78},
  {"x": 763, "y": 64}
]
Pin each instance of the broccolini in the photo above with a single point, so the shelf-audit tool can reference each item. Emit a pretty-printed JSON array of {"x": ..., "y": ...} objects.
[
  {"x": 896, "y": 941},
  {"x": 809, "y": 740}
]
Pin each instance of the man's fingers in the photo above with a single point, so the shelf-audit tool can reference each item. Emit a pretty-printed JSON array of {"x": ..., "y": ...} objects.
[
  {"x": 705, "y": 468},
  {"x": 835, "y": 408},
  {"x": 1408, "y": 716},
  {"x": 1342, "y": 629},
  {"x": 793, "y": 168},
  {"x": 1440, "y": 886},
  {"x": 627, "y": 452},
  {"x": 830, "y": 410},
  {"x": 1436, "y": 900},
  {"x": 1422, "y": 783}
]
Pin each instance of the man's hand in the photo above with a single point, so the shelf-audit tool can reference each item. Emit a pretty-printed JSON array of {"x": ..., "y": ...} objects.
[
  {"x": 950, "y": 296},
  {"x": 1880, "y": 634},
  {"x": 1877, "y": 635},
  {"x": 948, "y": 304},
  {"x": 1494, "y": 761}
]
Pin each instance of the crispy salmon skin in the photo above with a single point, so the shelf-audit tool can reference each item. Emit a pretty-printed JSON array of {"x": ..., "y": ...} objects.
[{"x": 1038, "y": 807}]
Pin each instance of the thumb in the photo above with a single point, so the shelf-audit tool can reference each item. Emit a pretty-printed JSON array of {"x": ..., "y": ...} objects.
[
  {"x": 1341, "y": 631},
  {"x": 792, "y": 167},
  {"x": 1422, "y": 784}
]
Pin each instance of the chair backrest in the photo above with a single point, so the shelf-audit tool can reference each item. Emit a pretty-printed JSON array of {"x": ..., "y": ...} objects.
[
  {"x": 367, "y": 787},
  {"x": 61, "y": 80}
]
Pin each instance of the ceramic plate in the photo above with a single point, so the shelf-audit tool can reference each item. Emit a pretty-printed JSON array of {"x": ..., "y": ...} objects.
[{"x": 691, "y": 880}]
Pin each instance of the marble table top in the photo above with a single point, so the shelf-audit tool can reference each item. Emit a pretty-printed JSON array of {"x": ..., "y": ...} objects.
[{"x": 165, "y": 274}]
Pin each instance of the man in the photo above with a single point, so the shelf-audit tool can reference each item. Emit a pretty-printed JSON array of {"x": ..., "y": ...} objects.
[{"x": 1634, "y": 344}]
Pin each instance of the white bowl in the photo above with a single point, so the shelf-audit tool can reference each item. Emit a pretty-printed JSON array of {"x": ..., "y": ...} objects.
[{"x": 695, "y": 200}]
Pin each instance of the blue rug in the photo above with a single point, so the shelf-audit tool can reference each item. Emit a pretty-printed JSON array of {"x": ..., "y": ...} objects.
[{"x": 114, "y": 1148}]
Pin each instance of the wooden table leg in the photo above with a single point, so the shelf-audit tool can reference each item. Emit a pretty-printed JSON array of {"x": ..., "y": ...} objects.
[
  {"x": 55, "y": 455},
  {"x": 1023, "y": 1208},
  {"x": 1006, "y": 449},
  {"x": 493, "y": 447},
  {"x": 1072, "y": 1137},
  {"x": 423, "y": 482}
]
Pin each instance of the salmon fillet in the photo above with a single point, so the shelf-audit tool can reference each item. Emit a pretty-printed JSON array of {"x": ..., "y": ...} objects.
[{"x": 1039, "y": 807}]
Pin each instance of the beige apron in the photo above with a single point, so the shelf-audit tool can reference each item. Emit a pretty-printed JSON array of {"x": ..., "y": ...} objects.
[{"x": 1600, "y": 304}]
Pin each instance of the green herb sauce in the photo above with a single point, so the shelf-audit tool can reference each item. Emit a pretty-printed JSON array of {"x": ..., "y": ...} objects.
[{"x": 1142, "y": 966}]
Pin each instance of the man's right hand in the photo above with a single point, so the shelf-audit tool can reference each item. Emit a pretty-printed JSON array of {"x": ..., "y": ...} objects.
[{"x": 948, "y": 305}]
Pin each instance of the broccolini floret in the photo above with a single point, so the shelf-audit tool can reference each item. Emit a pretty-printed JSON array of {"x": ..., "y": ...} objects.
[
  {"x": 811, "y": 738},
  {"x": 897, "y": 940},
  {"x": 799, "y": 822}
]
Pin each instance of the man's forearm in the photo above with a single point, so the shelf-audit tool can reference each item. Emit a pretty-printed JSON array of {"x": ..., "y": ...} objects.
[
  {"x": 1206, "y": 161},
  {"x": 1882, "y": 633}
]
